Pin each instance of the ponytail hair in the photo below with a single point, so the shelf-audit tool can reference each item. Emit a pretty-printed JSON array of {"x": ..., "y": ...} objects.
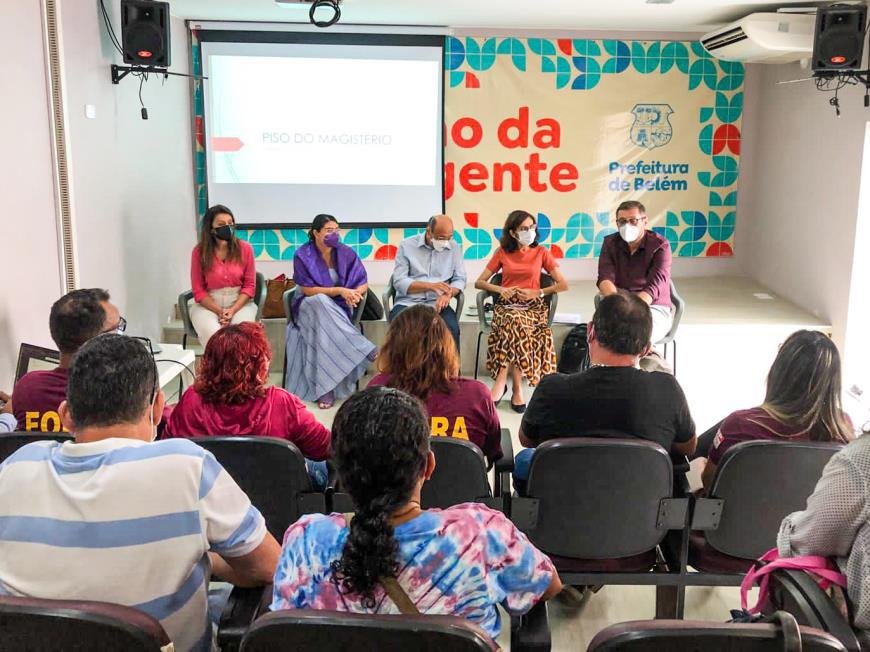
[
  {"x": 320, "y": 220},
  {"x": 380, "y": 445}
]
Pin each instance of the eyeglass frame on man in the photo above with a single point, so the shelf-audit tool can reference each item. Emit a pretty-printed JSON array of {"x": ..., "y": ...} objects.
[{"x": 634, "y": 221}]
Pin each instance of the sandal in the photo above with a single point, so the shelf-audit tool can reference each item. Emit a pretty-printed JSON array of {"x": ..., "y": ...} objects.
[{"x": 326, "y": 401}]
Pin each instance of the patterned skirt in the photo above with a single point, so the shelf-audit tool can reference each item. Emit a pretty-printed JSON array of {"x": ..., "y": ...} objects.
[{"x": 520, "y": 337}]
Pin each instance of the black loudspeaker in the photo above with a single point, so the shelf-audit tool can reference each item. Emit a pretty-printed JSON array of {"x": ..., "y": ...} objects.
[
  {"x": 145, "y": 32},
  {"x": 839, "y": 42}
]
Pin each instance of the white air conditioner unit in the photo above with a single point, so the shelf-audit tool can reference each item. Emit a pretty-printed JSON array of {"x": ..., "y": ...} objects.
[{"x": 764, "y": 38}]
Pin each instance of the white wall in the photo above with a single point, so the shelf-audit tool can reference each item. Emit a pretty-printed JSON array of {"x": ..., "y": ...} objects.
[
  {"x": 28, "y": 232},
  {"x": 800, "y": 187},
  {"x": 134, "y": 197}
]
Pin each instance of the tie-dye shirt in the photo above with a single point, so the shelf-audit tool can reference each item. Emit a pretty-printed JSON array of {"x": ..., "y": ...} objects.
[{"x": 460, "y": 561}]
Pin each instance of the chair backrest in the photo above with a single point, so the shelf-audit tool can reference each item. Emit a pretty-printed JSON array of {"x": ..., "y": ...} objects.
[
  {"x": 691, "y": 636},
  {"x": 11, "y": 442},
  {"x": 460, "y": 474},
  {"x": 313, "y": 631},
  {"x": 272, "y": 473},
  {"x": 484, "y": 298},
  {"x": 598, "y": 498},
  {"x": 760, "y": 483},
  {"x": 34, "y": 624}
]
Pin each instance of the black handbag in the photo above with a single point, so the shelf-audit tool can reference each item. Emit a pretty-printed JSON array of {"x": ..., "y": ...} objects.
[{"x": 373, "y": 310}]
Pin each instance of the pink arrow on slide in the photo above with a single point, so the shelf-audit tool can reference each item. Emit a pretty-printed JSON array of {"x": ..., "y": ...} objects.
[{"x": 226, "y": 144}]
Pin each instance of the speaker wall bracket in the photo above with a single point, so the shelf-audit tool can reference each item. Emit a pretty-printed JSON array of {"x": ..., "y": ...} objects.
[{"x": 119, "y": 72}]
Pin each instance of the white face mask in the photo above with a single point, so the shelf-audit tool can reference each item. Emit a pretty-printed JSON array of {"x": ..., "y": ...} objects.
[
  {"x": 440, "y": 245},
  {"x": 526, "y": 237},
  {"x": 629, "y": 233}
]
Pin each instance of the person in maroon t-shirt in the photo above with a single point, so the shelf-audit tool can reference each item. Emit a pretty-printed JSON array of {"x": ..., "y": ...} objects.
[
  {"x": 75, "y": 318},
  {"x": 419, "y": 357},
  {"x": 230, "y": 398},
  {"x": 802, "y": 402}
]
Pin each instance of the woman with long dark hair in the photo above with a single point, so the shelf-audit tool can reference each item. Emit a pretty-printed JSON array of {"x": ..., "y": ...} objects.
[
  {"x": 222, "y": 275},
  {"x": 232, "y": 397},
  {"x": 419, "y": 357},
  {"x": 802, "y": 403},
  {"x": 460, "y": 561},
  {"x": 326, "y": 354},
  {"x": 520, "y": 342}
]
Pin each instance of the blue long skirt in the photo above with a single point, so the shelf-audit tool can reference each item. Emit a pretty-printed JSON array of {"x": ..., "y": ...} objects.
[{"x": 324, "y": 351}]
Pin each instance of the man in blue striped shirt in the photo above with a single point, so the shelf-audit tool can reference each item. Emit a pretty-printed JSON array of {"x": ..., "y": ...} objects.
[
  {"x": 430, "y": 271},
  {"x": 119, "y": 518}
]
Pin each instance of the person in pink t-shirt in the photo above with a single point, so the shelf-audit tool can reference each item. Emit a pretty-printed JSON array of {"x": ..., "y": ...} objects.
[
  {"x": 230, "y": 398},
  {"x": 222, "y": 275},
  {"x": 419, "y": 357}
]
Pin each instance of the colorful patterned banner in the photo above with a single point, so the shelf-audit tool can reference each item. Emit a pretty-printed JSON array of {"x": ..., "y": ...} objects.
[{"x": 566, "y": 129}]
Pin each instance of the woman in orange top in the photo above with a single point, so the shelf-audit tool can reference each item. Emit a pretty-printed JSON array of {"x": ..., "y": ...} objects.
[{"x": 520, "y": 342}]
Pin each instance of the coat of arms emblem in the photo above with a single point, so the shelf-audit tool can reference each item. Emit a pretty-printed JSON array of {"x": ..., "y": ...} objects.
[{"x": 652, "y": 127}]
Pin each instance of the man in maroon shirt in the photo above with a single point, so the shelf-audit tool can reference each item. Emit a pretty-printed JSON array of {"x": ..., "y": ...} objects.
[
  {"x": 75, "y": 318},
  {"x": 638, "y": 260}
]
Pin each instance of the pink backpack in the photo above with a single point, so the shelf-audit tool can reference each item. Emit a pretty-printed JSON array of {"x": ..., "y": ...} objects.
[{"x": 823, "y": 570}]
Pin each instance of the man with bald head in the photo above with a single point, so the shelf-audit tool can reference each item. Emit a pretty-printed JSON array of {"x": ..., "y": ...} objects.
[{"x": 429, "y": 271}]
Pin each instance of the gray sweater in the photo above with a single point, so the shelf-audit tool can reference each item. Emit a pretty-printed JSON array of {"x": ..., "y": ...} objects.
[{"x": 836, "y": 523}]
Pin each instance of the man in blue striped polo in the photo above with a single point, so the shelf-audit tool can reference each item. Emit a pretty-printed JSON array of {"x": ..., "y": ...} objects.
[{"x": 120, "y": 518}]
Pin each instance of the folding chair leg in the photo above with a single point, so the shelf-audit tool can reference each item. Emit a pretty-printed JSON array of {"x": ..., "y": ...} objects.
[
  {"x": 184, "y": 341},
  {"x": 670, "y": 601},
  {"x": 477, "y": 356}
]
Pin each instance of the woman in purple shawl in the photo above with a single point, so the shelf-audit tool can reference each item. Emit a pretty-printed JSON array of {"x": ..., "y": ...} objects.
[{"x": 326, "y": 354}]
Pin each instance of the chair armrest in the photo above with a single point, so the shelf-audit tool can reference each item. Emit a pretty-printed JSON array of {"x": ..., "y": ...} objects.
[
  {"x": 385, "y": 300},
  {"x": 504, "y": 466},
  {"x": 506, "y": 463},
  {"x": 260, "y": 289},
  {"x": 554, "y": 304},
  {"x": 242, "y": 609},
  {"x": 531, "y": 631},
  {"x": 481, "y": 313},
  {"x": 287, "y": 300},
  {"x": 460, "y": 303},
  {"x": 184, "y": 312}
]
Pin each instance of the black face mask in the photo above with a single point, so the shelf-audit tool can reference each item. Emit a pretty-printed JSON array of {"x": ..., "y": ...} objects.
[{"x": 224, "y": 232}]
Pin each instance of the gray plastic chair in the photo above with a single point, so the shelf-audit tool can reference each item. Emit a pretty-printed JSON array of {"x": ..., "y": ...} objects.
[
  {"x": 485, "y": 299},
  {"x": 39, "y": 624},
  {"x": 389, "y": 296},
  {"x": 309, "y": 630},
  {"x": 11, "y": 442},
  {"x": 679, "y": 307},
  {"x": 689, "y": 636},
  {"x": 186, "y": 297}
]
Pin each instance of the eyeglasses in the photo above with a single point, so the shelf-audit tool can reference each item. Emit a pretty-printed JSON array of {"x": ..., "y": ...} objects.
[
  {"x": 526, "y": 229},
  {"x": 634, "y": 221},
  {"x": 120, "y": 327}
]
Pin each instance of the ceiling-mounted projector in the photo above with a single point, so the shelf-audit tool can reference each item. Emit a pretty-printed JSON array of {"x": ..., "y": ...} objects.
[
  {"x": 315, "y": 10},
  {"x": 764, "y": 38}
]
